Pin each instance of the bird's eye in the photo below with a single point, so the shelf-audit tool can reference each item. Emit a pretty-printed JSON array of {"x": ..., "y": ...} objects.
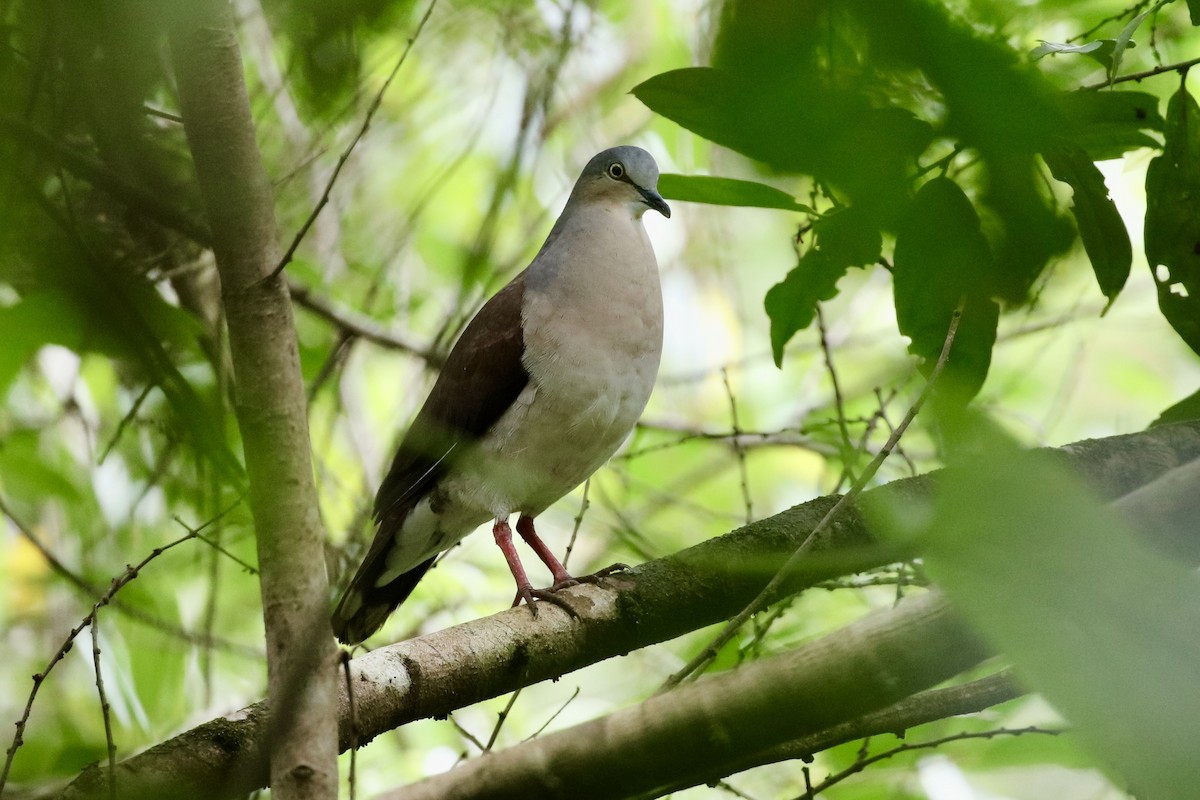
[{"x": 615, "y": 170}]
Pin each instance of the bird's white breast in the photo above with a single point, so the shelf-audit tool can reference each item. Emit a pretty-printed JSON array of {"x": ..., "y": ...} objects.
[
  {"x": 593, "y": 337},
  {"x": 592, "y": 327}
]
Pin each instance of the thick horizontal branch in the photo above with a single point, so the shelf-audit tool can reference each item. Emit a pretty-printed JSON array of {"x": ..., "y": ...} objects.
[
  {"x": 921, "y": 708},
  {"x": 657, "y": 601},
  {"x": 859, "y": 668}
]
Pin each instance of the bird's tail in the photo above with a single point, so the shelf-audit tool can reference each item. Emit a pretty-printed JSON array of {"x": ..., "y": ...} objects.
[{"x": 364, "y": 607}]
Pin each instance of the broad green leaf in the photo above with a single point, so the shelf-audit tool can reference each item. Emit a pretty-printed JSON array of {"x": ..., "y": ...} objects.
[
  {"x": 849, "y": 236},
  {"x": 1100, "y": 225},
  {"x": 1194, "y": 11},
  {"x": 40, "y": 318},
  {"x": 844, "y": 239},
  {"x": 791, "y": 304},
  {"x": 1096, "y": 620},
  {"x": 26, "y": 472},
  {"x": 796, "y": 126},
  {"x": 726, "y": 192},
  {"x": 1172, "y": 231},
  {"x": 941, "y": 259},
  {"x": 1108, "y": 124}
]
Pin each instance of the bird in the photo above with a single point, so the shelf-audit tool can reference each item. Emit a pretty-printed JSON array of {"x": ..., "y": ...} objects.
[{"x": 542, "y": 387}]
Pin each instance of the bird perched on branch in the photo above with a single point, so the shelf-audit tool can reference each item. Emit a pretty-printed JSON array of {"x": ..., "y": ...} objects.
[{"x": 542, "y": 387}]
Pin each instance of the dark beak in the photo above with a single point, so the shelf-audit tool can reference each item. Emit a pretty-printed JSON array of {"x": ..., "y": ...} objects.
[{"x": 655, "y": 201}]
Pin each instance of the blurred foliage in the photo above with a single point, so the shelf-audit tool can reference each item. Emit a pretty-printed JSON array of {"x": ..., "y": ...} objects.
[{"x": 910, "y": 154}]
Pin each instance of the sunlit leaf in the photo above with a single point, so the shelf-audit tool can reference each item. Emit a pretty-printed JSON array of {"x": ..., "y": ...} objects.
[
  {"x": 1100, "y": 50},
  {"x": 1172, "y": 231},
  {"x": 1123, "y": 38},
  {"x": 726, "y": 192},
  {"x": 1100, "y": 225}
]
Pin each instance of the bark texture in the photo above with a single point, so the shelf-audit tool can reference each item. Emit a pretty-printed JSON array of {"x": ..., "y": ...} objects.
[{"x": 271, "y": 406}]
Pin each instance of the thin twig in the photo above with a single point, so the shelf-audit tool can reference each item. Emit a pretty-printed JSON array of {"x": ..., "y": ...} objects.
[
  {"x": 345, "y": 156},
  {"x": 500, "y": 720},
  {"x": 125, "y": 420},
  {"x": 860, "y": 765},
  {"x": 1181, "y": 66},
  {"x": 738, "y": 450},
  {"x": 758, "y": 603},
  {"x": 105, "y": 710},
  {"x": 584, "y": 504},
  {"x": 839, "y": 402},
  {"x": 554, "y": 716},
  {"x": 130, "y": 573}
]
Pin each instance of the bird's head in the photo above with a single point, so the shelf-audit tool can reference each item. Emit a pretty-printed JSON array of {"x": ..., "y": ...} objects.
[{"x": 625, "y": 175}]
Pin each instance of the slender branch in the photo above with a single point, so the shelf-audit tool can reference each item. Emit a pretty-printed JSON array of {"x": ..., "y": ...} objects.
[
  {"x": 39, "y": 678},
  {"x": 1181, "y": 67},
  {"x": 357, "y": 325},
  {"x": 345, "y": 156},
  {"x": 758, "y": 603},
  {"x": 105, "y": 709}
]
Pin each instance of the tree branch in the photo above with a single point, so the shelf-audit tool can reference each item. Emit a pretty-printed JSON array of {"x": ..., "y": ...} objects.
[
  {"x": 657, "y": 601},
  {"x": 862, "y": 667},
  {"x": 271, "y": 407}
]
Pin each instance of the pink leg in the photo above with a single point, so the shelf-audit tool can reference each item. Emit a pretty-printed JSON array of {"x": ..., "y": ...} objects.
[
  {"x": 562, "y": 578},
  {"x": 525, "y": 591}
]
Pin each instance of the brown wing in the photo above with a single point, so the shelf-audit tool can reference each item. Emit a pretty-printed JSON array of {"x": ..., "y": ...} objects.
[{"x": 482, "y": 377}]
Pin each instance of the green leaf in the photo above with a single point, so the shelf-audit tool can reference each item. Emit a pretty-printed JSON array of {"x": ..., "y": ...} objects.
[
  {"x": 1123, "y": 38},
  {"x": 1108, "y": 124},
  {"x": 1194, "y": 11},
  {"x": 849, "y": 236},
  {"x": 26, "y": 472},
  {"x": 40, "y": 318},
  {"x": 1095, "y": 619},
  {"x": 1100, "y": 225},
  {"x": 1100, "y": 50},
  {"x": 1185, "y": 410},
  {"x": 845, "y": 238},
  {"x": 726, "y": 192},
  {"x": 941, "y": 259},
  {"x": 792, "y": 303},
  {"x": 1172, "y": 231}
]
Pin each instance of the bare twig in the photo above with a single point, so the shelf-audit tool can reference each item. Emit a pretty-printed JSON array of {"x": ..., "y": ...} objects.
[
  {"x": 500, "y": 720},
  {"x": 861, "y": 764},
  {"x": 345, "y": 156},
  {"x": 1180, "y": 66},
  {"x": 731, "y": 628},
  {"x": 118, "y": 583},
  {"x": 105, "y": 710},
  {"x": 838, "y": 400},
  {"x": 553, "y": 716},
  {"x": 584, "y": 504},
  {"x": 738, "y": 450}
]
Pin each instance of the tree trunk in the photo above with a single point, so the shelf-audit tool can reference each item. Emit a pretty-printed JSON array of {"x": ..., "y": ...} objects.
[{"x": 271, "y": 406}]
